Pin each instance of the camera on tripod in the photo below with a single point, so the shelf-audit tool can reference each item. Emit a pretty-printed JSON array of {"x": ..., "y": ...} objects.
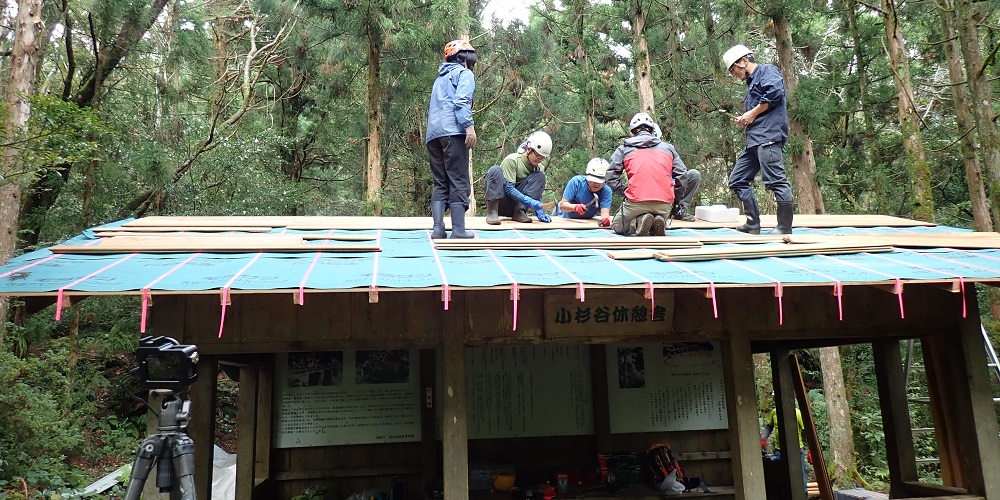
[{"x": 167, "y": 364}]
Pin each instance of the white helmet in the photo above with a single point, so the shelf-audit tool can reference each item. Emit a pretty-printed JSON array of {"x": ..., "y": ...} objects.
[
  {"x": 641, "y": 119},
  {"x": 596, "y": 169},
  {"x": 540, "y": 142},
  {"x": 735, "y": 54}
]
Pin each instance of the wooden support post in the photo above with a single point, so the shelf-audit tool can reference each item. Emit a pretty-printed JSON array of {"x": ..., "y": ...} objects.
[
  {"x": 819, "y": 463},
  {"x": 599, "y": 385},
  {"x": 789, "y": 439},
  {"x": 201, "y": 428},
  {"x": 454, "y": 425},
  {"x": 895, "y": 416},
  {"x": 973, "y": 411},
  {"x": 941, "y": 397},
  {"x": 428, "y": 423},
  {"x": 246, "y": 419},
  {"x": 741, "y": 407},
  {"x": 265, "y": 420}
]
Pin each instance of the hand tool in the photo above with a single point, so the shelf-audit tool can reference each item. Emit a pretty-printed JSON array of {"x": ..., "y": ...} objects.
[{"x": 727, "y": 113}]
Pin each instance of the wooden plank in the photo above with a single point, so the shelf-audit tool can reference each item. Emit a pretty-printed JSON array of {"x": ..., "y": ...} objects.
[
  {"x": 755, "y": 252},
  {"x": 942, "y": 240},
  {"x": 896, "y": 426},
  {"x": 143, "y": 231},
  {"x": 246, "y": 418},
  {"x": 454, "y": 424},
  {"x": 229, "y": 243},
  {"x": 428, "y": 414},
  {"x": 741, "y": 407},
  {"x": 812, "y": 437}
]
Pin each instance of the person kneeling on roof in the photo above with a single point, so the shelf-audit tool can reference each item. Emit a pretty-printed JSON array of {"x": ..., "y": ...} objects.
[
  {"x": 657, "y": 178},
  {"x": 587, "y": 195},
  {"x": 516, "y": 184}
]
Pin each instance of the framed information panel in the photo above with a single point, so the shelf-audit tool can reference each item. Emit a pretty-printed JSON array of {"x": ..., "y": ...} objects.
[
  {"x": 529, "y": 391},
  {"x": 670, "y": 386},
  {"x": 347, "y": 397}
]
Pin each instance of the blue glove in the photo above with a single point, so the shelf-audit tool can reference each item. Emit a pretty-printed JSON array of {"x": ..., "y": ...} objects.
[
  {"x": 522, "y": 198},
  {"x": 542, "y": 216}
]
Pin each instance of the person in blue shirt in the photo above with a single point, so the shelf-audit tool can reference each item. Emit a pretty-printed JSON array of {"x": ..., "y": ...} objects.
[
  {"x": 451, "y": 133},
  {"x": 587, "y": 196},
  {"x": 766, "y": 125}
]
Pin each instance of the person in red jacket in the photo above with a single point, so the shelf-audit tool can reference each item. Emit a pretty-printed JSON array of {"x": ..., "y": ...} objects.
[{"x": 657, "y": 181}]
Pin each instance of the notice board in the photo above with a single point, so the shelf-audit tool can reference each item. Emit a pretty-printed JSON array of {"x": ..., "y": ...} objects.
[{"x": 669, "y": 386}]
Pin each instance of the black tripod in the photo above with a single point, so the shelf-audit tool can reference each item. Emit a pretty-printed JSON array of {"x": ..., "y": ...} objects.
[{"x": 171, "y": 449}]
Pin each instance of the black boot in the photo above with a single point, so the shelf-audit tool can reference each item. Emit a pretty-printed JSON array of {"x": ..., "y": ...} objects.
[
  {"x": 437, "y": 212},
  {"x": 785, "y": 213},
  {"x": 458, "y": 222},
  {"x": 492, "y": 215},
  {"x": 752, "y": 211},
  {"x": 520, "y": 216}
]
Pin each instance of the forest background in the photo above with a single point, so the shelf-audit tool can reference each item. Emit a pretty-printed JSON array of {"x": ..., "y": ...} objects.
[{"x": 128, "y": 108}]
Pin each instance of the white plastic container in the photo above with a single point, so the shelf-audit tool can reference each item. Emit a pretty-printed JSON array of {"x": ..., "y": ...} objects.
[{"x": 717, "y": 213}]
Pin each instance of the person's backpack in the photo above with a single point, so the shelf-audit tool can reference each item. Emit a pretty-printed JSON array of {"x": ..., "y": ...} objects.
[{"x": 659, "y": 463}]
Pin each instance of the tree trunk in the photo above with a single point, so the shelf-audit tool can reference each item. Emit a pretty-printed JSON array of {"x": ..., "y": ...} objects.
[
  {"x": 807, "y": 192},
  {"x": 922, "y": 200},
  {"x": 874, "y": 157},
  {"x": 979, "y": 92},
  {"x": 839, "y": 413},
  {"x": 373, "y": 161},
  {"x": 23, "y": 70},
  {"x": 966, "y": 127},
  {"x": 643, "y": 68}
]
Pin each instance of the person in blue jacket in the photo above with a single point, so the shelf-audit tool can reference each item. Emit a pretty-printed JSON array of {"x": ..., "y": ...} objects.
[
  {"x": 766, "y": 124},
  {"x": 451, "y": 133},
  {"x": 586, "y": 196}
]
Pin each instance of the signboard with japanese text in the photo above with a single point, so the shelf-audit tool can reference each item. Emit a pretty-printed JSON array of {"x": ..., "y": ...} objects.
[
  {"x": 606, "y": 311},
  {"x": 529, "y": 391},
  {"x": 669, "y": 386},
  {"x": 347, "y": 397}
]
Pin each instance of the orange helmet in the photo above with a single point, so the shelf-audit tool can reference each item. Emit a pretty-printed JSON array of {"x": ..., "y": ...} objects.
[{"x": 455, "y": 46}]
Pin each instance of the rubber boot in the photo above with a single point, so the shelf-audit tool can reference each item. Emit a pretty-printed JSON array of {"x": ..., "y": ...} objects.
[
  {"x": 458, "y": 222},
  {"x": 492, "y": 212},
  {"x": 785, "y": 213},
  {"x": 520, "y": 216},
  {"x": 752, "y": 211},
  {"x": 437, "y": 212}
]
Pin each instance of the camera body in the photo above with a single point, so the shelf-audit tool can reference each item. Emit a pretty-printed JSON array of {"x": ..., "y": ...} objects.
[{"x": 167, "y": 364}]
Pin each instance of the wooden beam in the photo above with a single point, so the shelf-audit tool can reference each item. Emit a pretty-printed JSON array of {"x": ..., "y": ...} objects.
[
  {"x": 812, "y": 437},
  {"x": 741, "y": 408},
  {"x": 428, "y": 417},
  {"x": 454, "y": 425},
  {"x": 599, "y": 392},
  {"x": 265, "y": 419},
  {"x": 788, "y": 438},
  {"x": 937, "y": 371},
  {"x": 901, "y": 457}
]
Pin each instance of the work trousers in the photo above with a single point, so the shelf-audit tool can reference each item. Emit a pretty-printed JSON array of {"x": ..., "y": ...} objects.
[
  {"x": 685, "y": 186},
  {"x": 531, "y": 186},
  {"x": 766, "y": 159},
  {"x": 624, "y": 219},
  {"x": 449, "y": 160}
]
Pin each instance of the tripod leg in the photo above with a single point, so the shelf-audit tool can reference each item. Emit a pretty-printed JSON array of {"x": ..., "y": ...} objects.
[
  {"x": 145, "y": 458},
  {"x": 182, "y": 448}
]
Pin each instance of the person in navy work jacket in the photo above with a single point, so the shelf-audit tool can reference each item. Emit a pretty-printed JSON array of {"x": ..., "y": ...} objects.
[
  {"x": 451, "y": 133},
  {"x": 766, "y": 125},
  {"x": 587, "y": 196}
]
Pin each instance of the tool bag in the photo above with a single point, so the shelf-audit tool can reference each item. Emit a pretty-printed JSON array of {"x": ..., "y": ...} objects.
[{"x": 658, "y": 463}]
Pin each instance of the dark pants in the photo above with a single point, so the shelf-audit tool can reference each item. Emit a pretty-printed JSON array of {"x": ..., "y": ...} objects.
[
  {"x": 766, "y": 159},
  {"x": 685, "y": 187},
  {"x": 531, "y": 186},
  {"x": 449, "y": 160}
]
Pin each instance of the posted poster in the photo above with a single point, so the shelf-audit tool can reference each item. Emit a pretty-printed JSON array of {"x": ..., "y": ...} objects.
[
  {"x": 529, "y": 391},
  {"x": 347, "y": 397},
  {"x": 670, "y": 386}
]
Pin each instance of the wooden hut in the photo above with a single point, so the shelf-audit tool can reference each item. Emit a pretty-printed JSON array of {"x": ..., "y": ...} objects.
[{"x": 371, "y": 358}]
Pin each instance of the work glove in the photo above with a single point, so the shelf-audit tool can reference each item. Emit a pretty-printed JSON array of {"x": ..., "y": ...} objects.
[
  {"x": 470, "y": 136},
  {"x": 579, "y": 208},
  {"x": 763, "y": 442},
  {"x": 532, "y": 203},
  {"x": 542, "y": 216},
  {"x": 605, "y": 222}
]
